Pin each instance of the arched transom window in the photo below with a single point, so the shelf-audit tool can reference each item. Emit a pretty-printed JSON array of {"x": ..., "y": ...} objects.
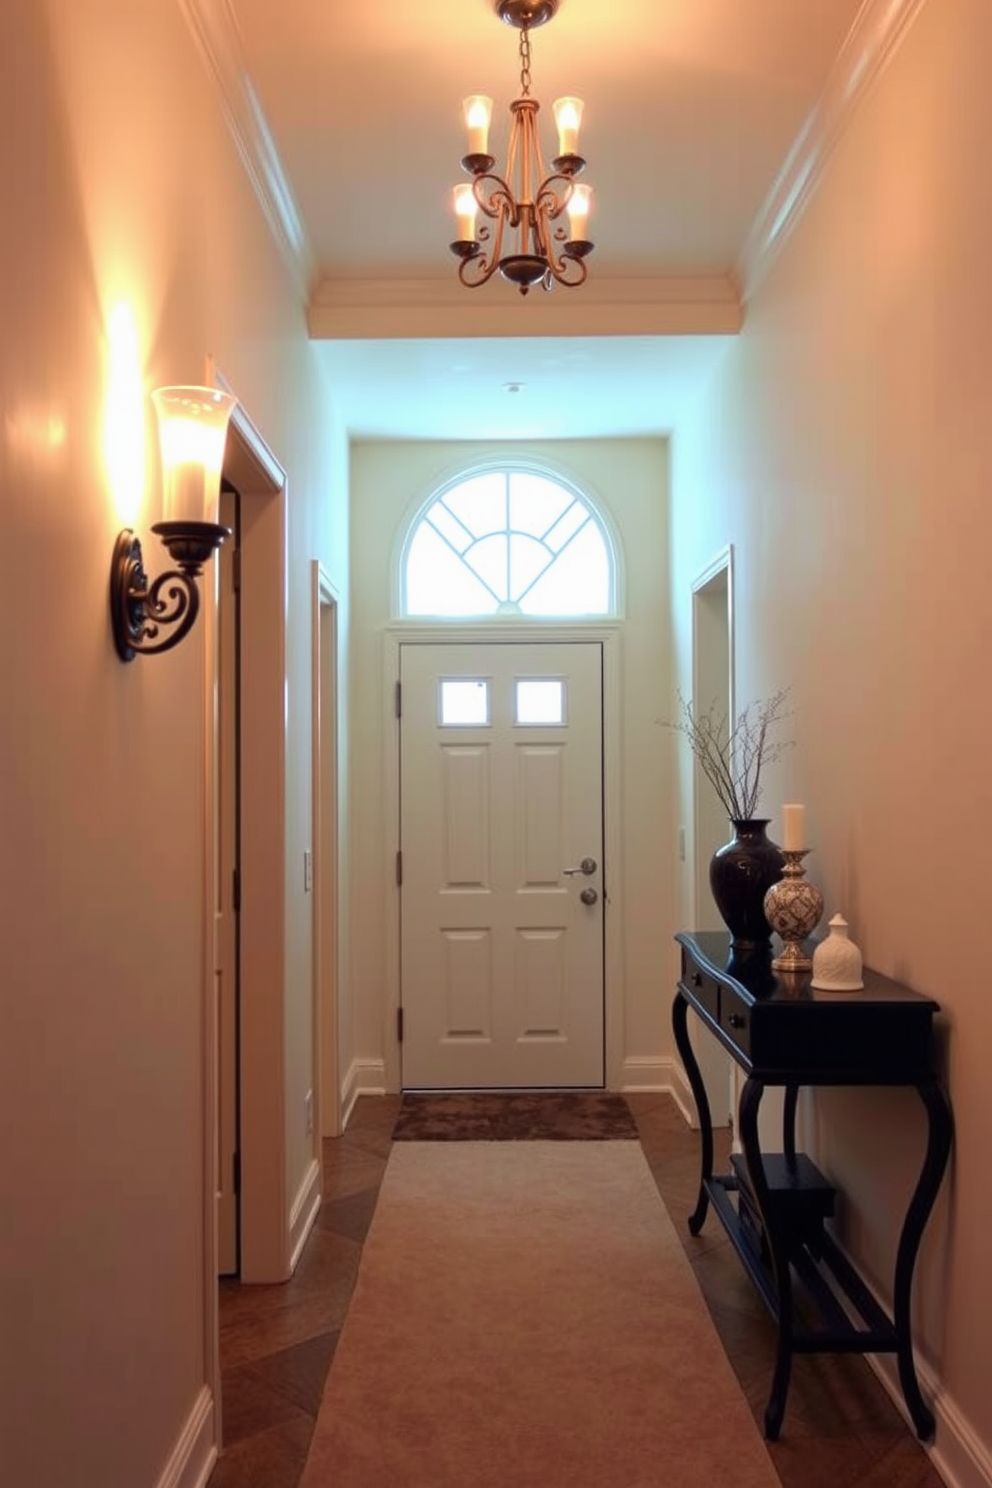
[{"x": 508, "y": 542}]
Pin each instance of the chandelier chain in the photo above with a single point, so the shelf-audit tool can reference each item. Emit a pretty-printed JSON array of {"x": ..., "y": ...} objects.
[{"x": 525, "y": 62}]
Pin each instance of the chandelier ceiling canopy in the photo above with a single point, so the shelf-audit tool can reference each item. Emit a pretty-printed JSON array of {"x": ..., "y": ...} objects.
[{"x": 526, "y": 204}]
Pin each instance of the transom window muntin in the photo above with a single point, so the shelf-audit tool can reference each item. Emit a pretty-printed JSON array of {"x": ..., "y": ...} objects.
[{"x": 508, "y": 541}]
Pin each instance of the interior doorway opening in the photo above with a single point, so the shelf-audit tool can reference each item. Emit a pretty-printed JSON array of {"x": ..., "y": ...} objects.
[{"x": 712, "y": 684}]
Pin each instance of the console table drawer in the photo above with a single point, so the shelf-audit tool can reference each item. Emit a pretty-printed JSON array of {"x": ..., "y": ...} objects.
[
  {"x": 703, "y": 989},
  {"x": 735, "y": 1019}
]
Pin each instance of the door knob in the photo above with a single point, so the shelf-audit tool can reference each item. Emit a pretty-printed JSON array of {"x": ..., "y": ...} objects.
[
  {"x": 588, "y": 896},
  {"x": 588, "y": 866}
]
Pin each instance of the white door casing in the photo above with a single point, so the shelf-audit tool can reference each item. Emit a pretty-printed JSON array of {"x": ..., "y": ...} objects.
[
  {"x": 712, "y": 684},
  {"x": 501, "y": 961},
  {"x": 226, "y": 930}
]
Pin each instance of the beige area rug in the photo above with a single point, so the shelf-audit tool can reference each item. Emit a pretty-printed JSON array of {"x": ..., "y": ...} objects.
[{"x": 524, "y": 1317}]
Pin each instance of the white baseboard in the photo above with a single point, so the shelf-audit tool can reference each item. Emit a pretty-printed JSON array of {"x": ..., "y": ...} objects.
[
  {"x": 305, "y": 1208},
  {"x": 364, "y": 1077},
  {"x": 662, "y": 1075},
  {"x": 192, "y": 1459},
  {"x": 960, "y": 1457}
]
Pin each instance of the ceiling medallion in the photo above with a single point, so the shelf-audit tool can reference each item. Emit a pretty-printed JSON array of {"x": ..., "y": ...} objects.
[{"x": 526, "y": 201}]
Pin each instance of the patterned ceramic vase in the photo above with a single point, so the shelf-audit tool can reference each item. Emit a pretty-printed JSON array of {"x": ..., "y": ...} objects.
[{"x": 793, "y": 907}]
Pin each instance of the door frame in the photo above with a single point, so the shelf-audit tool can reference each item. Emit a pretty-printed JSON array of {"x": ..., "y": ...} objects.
[
  {"x": 712, "y": 609},
  {"x": 326, "y": 849},
  {"x": 609, "y": 636},
  {"x": 266, "y": 1245}
]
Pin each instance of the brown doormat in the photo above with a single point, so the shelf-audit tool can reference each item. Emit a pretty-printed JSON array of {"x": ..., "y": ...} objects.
[{"x": 530, "y": 1116}]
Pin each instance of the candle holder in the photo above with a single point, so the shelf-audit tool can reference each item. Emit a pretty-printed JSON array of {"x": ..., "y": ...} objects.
[{"x": 793, "y": 907}]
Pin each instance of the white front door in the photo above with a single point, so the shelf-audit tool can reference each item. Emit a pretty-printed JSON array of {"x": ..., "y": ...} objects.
[{"x": 501, "y": 836}]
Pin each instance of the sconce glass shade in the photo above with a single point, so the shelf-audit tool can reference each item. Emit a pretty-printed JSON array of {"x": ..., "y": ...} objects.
[
  {"x": 149, "y": 617},
  {"x": 192, "y": 433}
]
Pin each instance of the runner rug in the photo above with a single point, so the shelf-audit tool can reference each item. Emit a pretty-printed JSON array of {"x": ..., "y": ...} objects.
[{"x": 524, "y": 1317}]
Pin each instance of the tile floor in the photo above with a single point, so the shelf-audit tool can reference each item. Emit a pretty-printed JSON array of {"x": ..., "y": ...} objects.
[{"x": 277, "y": 1342}]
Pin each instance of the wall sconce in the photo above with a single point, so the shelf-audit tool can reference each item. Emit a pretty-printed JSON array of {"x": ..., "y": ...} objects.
[{"x": 192, "y": 433}]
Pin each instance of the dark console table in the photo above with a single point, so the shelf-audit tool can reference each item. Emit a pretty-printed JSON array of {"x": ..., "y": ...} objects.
[{"x": 774, "y": 1206}]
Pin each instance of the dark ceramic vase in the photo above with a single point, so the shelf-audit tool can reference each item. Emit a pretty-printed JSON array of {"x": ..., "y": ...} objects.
[{"x": 741, "y": 873}]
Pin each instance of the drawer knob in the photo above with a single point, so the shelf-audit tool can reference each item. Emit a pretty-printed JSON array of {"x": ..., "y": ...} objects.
[
  {"x": 736, "y": 1020},
  {"x": 697, "y": 980}
]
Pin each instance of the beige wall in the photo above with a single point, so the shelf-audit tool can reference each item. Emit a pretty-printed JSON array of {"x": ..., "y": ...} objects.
[
  {"x": 845, "y": 448},
  {"x": 628, "y": 478},
  {"x": 121, "y": 187}
]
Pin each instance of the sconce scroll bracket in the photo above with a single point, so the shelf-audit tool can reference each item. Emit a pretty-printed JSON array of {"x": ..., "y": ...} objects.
[{"x": 150, "y": 618}]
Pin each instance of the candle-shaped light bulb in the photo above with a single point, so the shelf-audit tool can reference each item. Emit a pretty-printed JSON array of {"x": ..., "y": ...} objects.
[
  {"x": 465, "y": 209},
  {"x": 578, "y": 206},
  {"x": 478, "y": 111},
  {"x": 568, "y": 117},
  {"x": 793, "y": 827}
]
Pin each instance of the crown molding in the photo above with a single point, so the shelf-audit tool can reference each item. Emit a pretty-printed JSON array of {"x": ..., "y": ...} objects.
[
  {"x": 877, "y": 30},
  {"x": 391, "y": 309},
  {"x": 215, "y": 30}
]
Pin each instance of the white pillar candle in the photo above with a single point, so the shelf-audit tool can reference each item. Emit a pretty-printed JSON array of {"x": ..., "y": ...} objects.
[{"x": 793, "y": 827}]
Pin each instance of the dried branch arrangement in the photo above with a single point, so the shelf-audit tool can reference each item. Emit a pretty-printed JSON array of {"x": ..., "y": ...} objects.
[{"x": 732, "y": 759}]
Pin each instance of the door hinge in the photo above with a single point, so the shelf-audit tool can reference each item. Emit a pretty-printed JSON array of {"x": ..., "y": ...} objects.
[
  {"x": 399, "y": 1025},
  {"x": 236, "y": 570},
  {"x": 399, "y": 868},
  {"x": 236, "y": 1171},
  {"x": 399, "y": 700},
  {"x": 236, "y": 891}
]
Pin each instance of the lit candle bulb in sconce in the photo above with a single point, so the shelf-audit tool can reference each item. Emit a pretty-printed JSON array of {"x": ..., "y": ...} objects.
[
  {"x": 466, "y": 207},
  {"x": 192, "y": 436},
  {"x": 568, "y": 117},
  {"x": 478, "y": 111},
  {"x": 579, "y": 203},
  {"x": 793, "y": 827}
]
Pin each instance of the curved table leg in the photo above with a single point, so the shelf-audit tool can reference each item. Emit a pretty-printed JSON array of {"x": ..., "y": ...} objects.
[
  {"x": 775, "y": 1409},
  {"x": 679, "y": 1010},
  {"x": 934, "y": 1162}
]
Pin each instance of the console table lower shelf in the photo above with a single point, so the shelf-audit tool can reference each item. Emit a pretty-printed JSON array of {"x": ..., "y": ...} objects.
[{"x": 839, "y": 1313}]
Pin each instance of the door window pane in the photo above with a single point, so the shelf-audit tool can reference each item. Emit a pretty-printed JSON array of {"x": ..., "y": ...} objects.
[
  {"x": 540, "y": 700},
  {"x": 464, "y": 702}
]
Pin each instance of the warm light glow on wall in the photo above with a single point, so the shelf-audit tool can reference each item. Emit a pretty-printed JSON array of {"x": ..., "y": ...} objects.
[
  {"x": 124, "y": 417},
  {"x": 34, "y": 436}
]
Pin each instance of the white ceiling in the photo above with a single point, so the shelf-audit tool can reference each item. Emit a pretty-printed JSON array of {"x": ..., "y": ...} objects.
[{"x": 691, "y": 107}]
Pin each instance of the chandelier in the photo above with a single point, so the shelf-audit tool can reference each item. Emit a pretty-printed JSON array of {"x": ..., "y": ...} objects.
[{"x": 526, "y": 201}]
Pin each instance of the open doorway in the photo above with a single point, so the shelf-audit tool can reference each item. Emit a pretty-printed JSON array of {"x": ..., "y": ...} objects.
[
  {"x": 326, "y": 1116},
  {"x": 227, "y": 894},
  {"x": 712, "y": 684},
  {"x": 247, "y": 809}
]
